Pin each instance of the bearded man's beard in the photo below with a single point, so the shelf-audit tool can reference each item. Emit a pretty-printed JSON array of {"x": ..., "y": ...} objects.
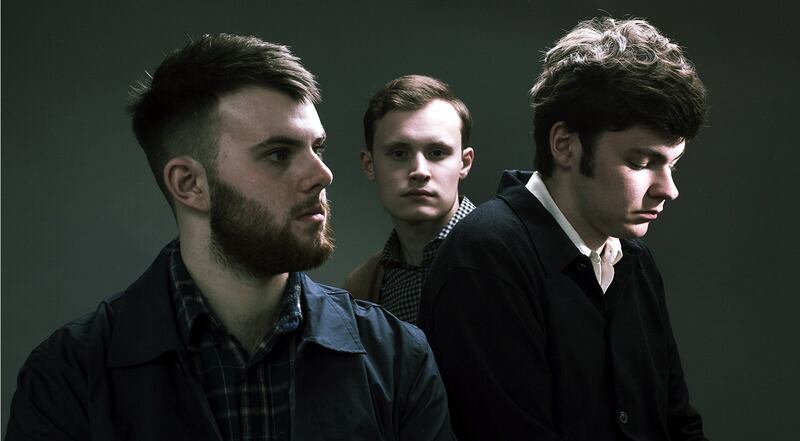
[{"x": 246, "y": 238}]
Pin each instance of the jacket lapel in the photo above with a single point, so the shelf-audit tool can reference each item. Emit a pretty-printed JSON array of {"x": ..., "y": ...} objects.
[
  {"x": 155, "y": 391},
  {"x": 329, "y": 319},
  {"x": 145, "y": 326},
  {"x": 556, "y": 252},
  {"x": 554, "y": 249}
]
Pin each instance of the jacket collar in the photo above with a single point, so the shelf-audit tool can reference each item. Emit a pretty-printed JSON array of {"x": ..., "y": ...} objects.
[
  {"x": 144, "y": 325},
  {"x": 329, "y": 318},
  {"x": 554, "y": 248},
  {"x": 143, "y": 318}
]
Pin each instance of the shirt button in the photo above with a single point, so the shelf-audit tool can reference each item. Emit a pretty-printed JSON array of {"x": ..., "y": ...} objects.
[{"x": 623, "y": 417}]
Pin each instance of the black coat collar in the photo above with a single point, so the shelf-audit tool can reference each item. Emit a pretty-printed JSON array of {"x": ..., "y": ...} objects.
[{"x": 555, "y": 250}]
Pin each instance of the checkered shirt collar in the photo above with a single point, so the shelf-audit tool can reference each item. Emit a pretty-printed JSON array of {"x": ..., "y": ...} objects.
[
  {"x": 391, "y": 250},
  {"x": 465, "y": 206},
  {"x": 192, "y": 310}
]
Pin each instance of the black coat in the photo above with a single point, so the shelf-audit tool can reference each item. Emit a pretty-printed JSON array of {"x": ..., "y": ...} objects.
[
  {"x": 120, "y": 374},
  {"x": 530, "y": 348}
]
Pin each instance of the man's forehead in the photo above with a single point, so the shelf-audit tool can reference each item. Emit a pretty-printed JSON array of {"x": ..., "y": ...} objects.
[
  {"x": 257, "y": 99},
  {"x": 266, "y": 113},
  {"x": 644, "y": 141},
  {"x": 425, "y": 126},
  {"x": 434, "y": 110},
  {"x": 663, "y": 151}
]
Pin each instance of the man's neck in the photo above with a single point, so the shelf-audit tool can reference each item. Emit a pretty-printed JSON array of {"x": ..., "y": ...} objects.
[
  {"x": 560, "y": 190},
  {"x": 414, "y": 236},
  {"x": 248, "y": 307}
]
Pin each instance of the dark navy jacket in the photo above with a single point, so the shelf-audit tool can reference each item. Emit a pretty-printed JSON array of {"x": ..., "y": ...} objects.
[
  {"x": 121, "y": 373},
  {"x": 530, "y": 348}
]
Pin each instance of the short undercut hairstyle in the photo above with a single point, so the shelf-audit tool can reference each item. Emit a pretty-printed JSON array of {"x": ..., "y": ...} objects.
[
  {"x": 174, "y": 110},
  {"x": 609, "y": 75},
  {"x": 412, "y": 92}
]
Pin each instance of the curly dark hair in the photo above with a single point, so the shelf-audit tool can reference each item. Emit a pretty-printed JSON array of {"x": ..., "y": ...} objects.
[{"x": 608, "y": 74}]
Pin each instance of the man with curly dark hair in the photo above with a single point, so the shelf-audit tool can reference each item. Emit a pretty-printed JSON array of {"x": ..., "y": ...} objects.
[{"x": 545, "y": 311}]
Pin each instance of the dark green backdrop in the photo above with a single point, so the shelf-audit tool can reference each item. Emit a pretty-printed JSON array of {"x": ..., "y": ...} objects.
[{"x": 81, "y": 216}]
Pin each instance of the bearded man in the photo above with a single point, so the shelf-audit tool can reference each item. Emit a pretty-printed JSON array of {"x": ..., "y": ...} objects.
[{"x": 224, "y": 337}]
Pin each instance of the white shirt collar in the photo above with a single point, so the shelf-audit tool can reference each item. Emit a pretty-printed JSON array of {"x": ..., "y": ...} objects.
[{"x": 611, "y": 250}]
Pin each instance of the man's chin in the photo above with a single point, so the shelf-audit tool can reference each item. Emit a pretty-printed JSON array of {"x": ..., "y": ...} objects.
[
  {"x": 635, "y": 231},
  {"x": 420, "y": 214},
  {"x": 316, "y": 243},
  {"x": 316, "y": 255},
  {"x": 311, "y": 246},
  {"x": 309, "y": 234}
]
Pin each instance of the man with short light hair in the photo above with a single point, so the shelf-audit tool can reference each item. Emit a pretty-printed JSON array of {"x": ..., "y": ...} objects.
[
  {"x": 545, "y": 310},
  {"x": 417, "y": 138},
  {"x": 224, "y": 337}
]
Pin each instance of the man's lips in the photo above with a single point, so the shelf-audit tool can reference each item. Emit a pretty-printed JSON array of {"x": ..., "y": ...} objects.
[
  {"x": 418, "y": 192},
  {"x": 312, "y": 210},
  {"x": 647, "y": 214}
]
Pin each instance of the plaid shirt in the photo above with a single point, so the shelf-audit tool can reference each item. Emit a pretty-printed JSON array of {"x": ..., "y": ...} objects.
[
  {"x": 247, "y": 393},
  {"x": 402, "y": 283}
]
